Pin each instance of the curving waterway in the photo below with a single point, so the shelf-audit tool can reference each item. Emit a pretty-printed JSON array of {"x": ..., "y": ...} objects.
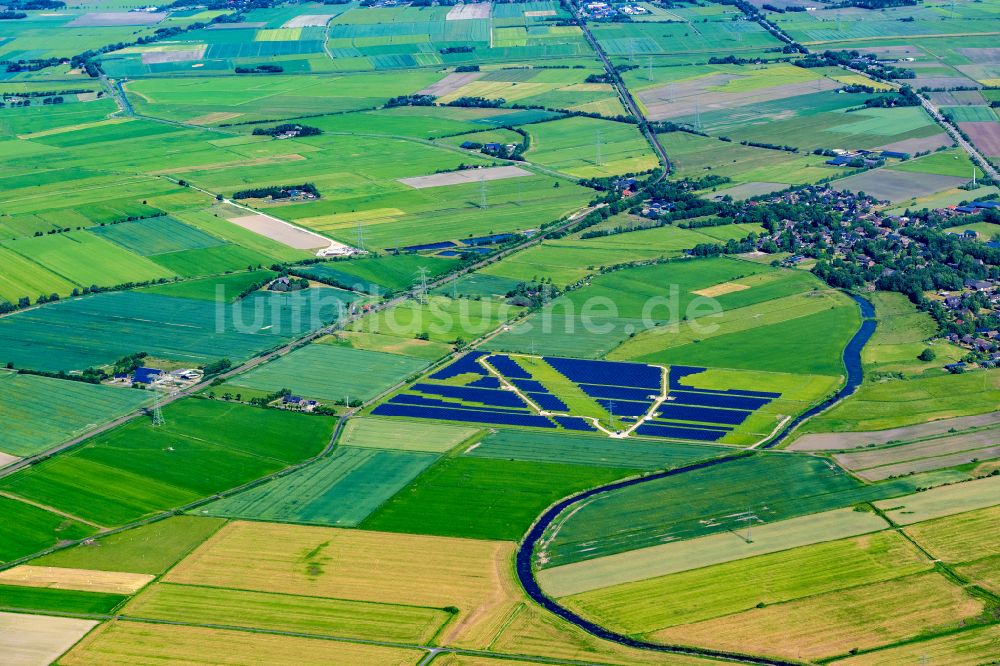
[{"x": 526, "y": 573}]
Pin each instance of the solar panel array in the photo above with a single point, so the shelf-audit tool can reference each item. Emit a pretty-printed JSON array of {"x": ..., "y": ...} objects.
[
  {"x": 612, "y": 373},
  {"x": 626, "y": 390},
  {"x": 468, "y": 364}
]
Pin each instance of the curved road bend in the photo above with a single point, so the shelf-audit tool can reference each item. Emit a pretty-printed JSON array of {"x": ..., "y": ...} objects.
[{"x": 526, "y": 550}]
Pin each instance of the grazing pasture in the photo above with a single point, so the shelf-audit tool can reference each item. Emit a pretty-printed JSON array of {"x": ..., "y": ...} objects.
[
  {"x": 586, "y": 147},
  {"x": 147, "y": 549},
  {"x": 27, "y": 529},
  {"x": 48, "y": 600}
]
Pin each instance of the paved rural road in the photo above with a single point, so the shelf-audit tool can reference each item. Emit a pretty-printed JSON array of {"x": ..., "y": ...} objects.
[
  {"x": 289, "y": 346},
  {"x": 623, "y": 91},
  {"x": 973, "y": 152},
  {"x": 526, "y": 549}
]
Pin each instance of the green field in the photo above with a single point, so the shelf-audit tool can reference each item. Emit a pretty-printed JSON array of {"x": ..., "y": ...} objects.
[
  {"x": 27, "y": 529},
  {"x": 570, "y": 449},
  {"x": 341, "y": 490},
  {"x": 891, "y": 402},
  {"x": 157, "y": 235},
  {"x": 586, "y": 147},
  {"x": 774, "y": 487},
  {"x": 646, "y": 606},
  {"x": 148, "y": 549},
  {"x": 71, "y": 408},
  {"x": 393, "y": 434},
  {"x": 285, "y": 612},
  {"x": 98, "y": 330},
  {"x": 330, "y": 372},
  {"x": 483, "y": 498},
  {"x": 42, "y": 600},
  {"x": 138, "y": 469}
]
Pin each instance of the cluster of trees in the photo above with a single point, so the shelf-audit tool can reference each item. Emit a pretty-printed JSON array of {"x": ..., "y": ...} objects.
[
  {"x": 478, "y": 102},
  {"x": 277, "y": 191},
  {"x": 905, "y": 97},
  {"x": 288, "y": 128},
  {"x": 467, "y": 68},
  {"x": 8, "y": 15},
  {"x": 855, "y": 60},
  {"x": 410, "y": 100},
  {"x": 260, "y": 69},
  {"x": 456, "y": 49}
]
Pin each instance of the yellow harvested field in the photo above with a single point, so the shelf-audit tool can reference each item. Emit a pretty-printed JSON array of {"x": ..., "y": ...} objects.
[
  {"x": 38, "y": 640},
  {"x": 540, "y": 12},
  {"x": 62, "y": 129},
  {"x": 508, "y": 90},
  {"x": 471, "y": 575},
  {"x": 832, "y": 624},
  {"x": 475, "y": 576},
  {"x": 720, "y": 289},
  {"x": 531, "y": 630},
  {"x": 985, "y": 573},
  {"x": 960, "y": 538},
  {"x": 214, "y": 117},
  {"x": 87, "y": 580},
  {"x": 278, "y": 35},
  {"x": 943, "y": 501},
  {"x": 968, "y": 648},
  {"x": 136, "y": 644}
]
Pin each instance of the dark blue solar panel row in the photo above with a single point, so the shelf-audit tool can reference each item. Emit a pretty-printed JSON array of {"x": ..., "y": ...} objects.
[
  {"x": 696, "y": 426},
  {"x": 617, "y": 392},
  {"x": 549, "y": 402},
  {"x": 624, "y": 407},
  {"x": 488, "y": 382},
  {"x": 717, "y": 400},
  {"x": 529, "y": 385},
  {"x": 613, "y": 373},
  {"x": 466, "y": 415},
  {"x": 703, "y": 414},
  {"x": 409, "y": 399},
  {"x": 484, "y": 396},
  {"x": 508, "y": 367},
  {"x": 574, "y": 423},
  {"x": 464, "y": 365},
  {"x": 676, "y": 432},
  {"x": 679, "y": 372}
]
